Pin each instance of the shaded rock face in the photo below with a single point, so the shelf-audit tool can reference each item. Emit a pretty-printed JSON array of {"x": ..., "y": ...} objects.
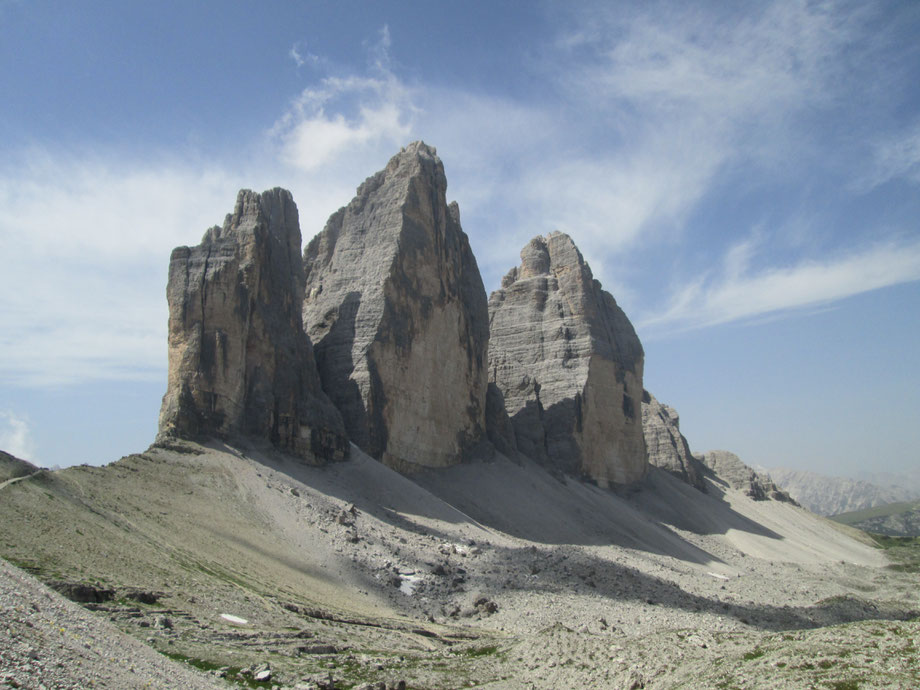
[
  {"x": 667, "y": 447},
  {"x": 239, "y": 360},
  {"x": 397, "y": 311},
  {"x": 729, "y": 468},
  {"x": 569, "y": 365}
]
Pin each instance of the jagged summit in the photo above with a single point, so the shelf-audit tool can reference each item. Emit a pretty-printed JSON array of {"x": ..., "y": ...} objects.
[
  {"x": 569, "y": 365},
  {"x": 397, "y": 311},
  {"x": 239, "y": 361}
]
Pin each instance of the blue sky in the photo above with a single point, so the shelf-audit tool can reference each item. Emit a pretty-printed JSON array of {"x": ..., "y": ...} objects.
[{"x": 743, "y": 177}]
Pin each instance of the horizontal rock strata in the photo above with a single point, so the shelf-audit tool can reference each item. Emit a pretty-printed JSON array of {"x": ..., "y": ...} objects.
[
  {"x": 239, "y": 360},
  {"x": 569, "y": 365}
]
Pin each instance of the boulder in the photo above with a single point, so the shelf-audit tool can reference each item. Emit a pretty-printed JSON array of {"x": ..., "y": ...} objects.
[
  {"x": 569, "y": 365},
  {"x": 239, "y": 360},
  {"x": 397, "y": 313},
  {"x": 667, "y": 447},
  {"x": 731, "y": 471}
]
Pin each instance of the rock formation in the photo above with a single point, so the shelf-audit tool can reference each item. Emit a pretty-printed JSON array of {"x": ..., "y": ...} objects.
[
  {"x": 667, "y": 447},
  {"x": 729, "y": 468},
  {"x": 569, "y": 365},
  {"x": 396, "y": 309},
  {"x": 239, "y": 361}
]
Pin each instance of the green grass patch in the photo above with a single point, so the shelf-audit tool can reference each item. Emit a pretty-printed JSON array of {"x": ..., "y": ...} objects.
[
  {"x": 903, "y": 551},
  {"x": 844, "y": 685},
  {"x": 481, "y": 651},
  {"x": 754, "y": 654},
  {"x": 206, "y": 666}
]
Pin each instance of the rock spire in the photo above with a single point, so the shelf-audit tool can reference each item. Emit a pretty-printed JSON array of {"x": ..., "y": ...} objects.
[
  {"x": 239, "y": 360},
  {"x": 397, "y": 312},
  {"x": 569, "y": 365}
]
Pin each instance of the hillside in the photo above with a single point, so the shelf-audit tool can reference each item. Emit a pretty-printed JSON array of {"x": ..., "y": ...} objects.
[
  {"x": 892, "y": 519},
  {"x": 826, "y": 495},
  {"x": 490, "y": 573},
  {"x": 12, "y": 467}
]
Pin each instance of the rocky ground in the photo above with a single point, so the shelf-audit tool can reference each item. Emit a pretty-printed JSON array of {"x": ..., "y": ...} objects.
[
  {"x": 53, "y": 643},
  {"x": 245, "y": 562}
]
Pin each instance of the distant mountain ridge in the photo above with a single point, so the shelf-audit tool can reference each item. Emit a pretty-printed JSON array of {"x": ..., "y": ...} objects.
[{"x": 826, "y": 495}]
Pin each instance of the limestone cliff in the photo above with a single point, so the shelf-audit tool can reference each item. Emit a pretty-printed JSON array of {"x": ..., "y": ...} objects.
[
  {"x": 396, "y": 309},
  {"x": 667, "y": 447},
  {"x": 239, "y": 361},
  {"x": 569, "y": 365}
]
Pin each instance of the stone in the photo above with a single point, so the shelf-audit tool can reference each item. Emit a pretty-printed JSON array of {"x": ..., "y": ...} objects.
[
  {"x": 240, "y": 363},
  {"x": 569, "y": 365},
  {"x": 731, "y": 471},
  {"x": 397, "y": 312},
  {"x": 667, "y": 447}
]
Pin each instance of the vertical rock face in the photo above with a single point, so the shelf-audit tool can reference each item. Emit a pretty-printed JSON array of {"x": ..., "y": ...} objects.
[
  {"x": 667, "y": 447},
  {"x": 729, "y": 468},
  {"x": 396, "y": 309},
  {"x": 569, "y": 365},
  {"x": 239, "y": 361}
]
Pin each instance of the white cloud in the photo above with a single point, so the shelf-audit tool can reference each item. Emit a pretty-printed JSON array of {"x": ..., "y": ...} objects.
[
  {"x": 294, "y": 54},
  {"x": 896, "y": 157},
  {"x": 84, "y": 249},
  {"x": 346, "y": 114},
  {"x": 685, "y": 94},
  {"x": 16, "y": 436},
  {"x": 739, "y": 294}
]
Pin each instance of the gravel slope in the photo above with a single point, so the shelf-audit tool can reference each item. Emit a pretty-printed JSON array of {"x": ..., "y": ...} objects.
[
  {"x": 492, "y": 574},
  {"x": 47, "y": 641}
]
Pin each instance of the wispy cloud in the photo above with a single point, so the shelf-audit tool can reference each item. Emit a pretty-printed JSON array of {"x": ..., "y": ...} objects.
[
  {"x": 301, "y": 56},
  {"x": 346, "y": 113},
  {"x": 895, "y": 157},
  {"x": 16, "y": 436},
  {"x": 738, "y": 293},
  {"x": 84, "y": 246},
  {"x": 690, "y": 92}
]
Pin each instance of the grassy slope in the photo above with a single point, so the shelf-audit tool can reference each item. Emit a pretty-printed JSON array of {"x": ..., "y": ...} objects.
[
  {"x": 887, "y": 510},
  {"x": 12, "y": 467}
]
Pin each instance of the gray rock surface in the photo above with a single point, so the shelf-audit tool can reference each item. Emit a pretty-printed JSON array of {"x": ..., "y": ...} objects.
[
  {"x": 396, "y": 309},
  {"x": 667, "y": 447},
  {"x": 239, "y": 361},
  {"x": 827, "y": 495},
  {"x": 729, "y": 468},
  {"x": 569, "y": 365}
]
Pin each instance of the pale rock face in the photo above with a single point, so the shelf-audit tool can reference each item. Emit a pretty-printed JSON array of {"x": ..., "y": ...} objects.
[
  {"x": 667, "y": 447},
  {"x": 730, "y": 469},
  {"x": 240, "y": 363},
  {"x": 569, "y": 365},
  {"x": 396, "y": 309}
]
